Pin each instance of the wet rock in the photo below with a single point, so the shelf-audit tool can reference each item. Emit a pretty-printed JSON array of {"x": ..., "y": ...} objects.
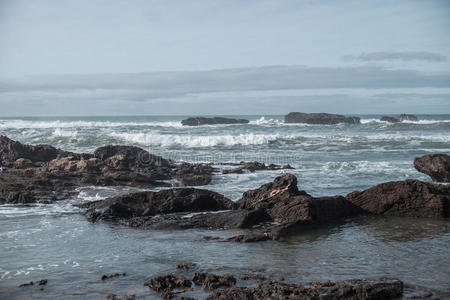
[
  {"x": 42, "y": 282},
  {"x": 185, "y": 267},
  {"x": 411, "y": 198},
  {"x": 211, "y": 281},
  {"x": 26, "y": 284},
  {"x": 197, "y": 121},
  {"x": 23, "y": 163},
  {"x": 251, "y": 237},
  {"x": 390, "y": 119},
  {"x": 233, "y": 171},
  {"x": 194, "y": 174},
  {"x": 406, "y": 117},
  {"x": 108, "y": 276},
  {"x": 166, "y": 284},
  {"x": 437, "y": 166},
  {"x": 382, "y": 288},
  {"x": 145, "y": 204},
  {"x": 11, "y": 150},
  {"x": 319, "y": 118}
]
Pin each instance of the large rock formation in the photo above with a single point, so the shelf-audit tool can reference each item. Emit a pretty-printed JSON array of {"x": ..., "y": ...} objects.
[
  {"x": 437, "y": 166},
  {"x": 390, "y": 119},
  {"x": 197, "y": 121},
  {"x": 319, "y": 118},
  {"x": 43, "y": 173},
  {"x": 412, "y": 198},
  {"x": 360, "y": 289}
]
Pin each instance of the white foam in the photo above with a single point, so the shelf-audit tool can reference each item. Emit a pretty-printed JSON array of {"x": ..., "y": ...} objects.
[
  {"x": 22, "y": 124},
  {"x": 423, "y": 122},
  {"x": 58, "y": 132},
  {"x": 193, "y": 141},
  {"x": 263, "y": 121}
]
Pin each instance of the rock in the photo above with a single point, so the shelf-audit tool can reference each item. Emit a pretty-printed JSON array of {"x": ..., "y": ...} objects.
[
  {"x": 42, "y": 282},
  {"x": 319, "y": 118},
  {"x": 406, "y": 117},
  {"x": 108, "y": 276},
  {"x": 194, "y": 174},
  {"x": 383, "y": 288},
  {"x": 165, "y": 284},
  {"x": 437, "y": 166},
  {"x": 412, "y": 198},
  {"x": 26, "y": 284},
  {"x": 211, "y": 281},
  {"x": 390, "y": 119},
  {"x": 197, "y": 121},
  {"x": 23, "y": 163},
  {"x": 186, "y": 267},
  {"x": 123, "y": 297},
  {"x": 11, "y": 150},
  {"x": 233, "y": 171},
  {"x": 254, "y": 166},
  {"x": 145, "y": 204}
]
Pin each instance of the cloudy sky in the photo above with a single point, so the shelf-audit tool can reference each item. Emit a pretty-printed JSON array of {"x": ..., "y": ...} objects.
[{"x": 223, "y": 57}]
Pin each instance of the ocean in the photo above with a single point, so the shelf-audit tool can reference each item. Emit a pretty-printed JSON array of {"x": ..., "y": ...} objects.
[{"x": 55, "y": 242}]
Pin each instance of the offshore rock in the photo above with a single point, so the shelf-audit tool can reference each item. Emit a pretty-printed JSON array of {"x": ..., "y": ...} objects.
[{"x": 319, "y": 118}]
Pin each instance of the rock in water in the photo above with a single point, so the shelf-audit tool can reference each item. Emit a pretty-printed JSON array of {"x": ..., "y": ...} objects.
[
  {"x": 319, "y": 118},
  {"x": 197, "y": 121},
  {"x": 390, "y": 119},
  {"x": 411, "y": 198},
  {"x": 437, "y": 166},
  {"x": 406, "y": 117},
  {"x": 145, "y": 204}
]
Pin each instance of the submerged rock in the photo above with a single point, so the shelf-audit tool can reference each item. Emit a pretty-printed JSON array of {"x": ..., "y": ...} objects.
[
  {"x": 411, "y": 198},
  {"x": 197, "y": 121},
  {"x": 406, "y": 117},
  {"x": 254, "y": 166},
  {"x": 319, "y": 118},
  {"x": 437, "y": 166}
]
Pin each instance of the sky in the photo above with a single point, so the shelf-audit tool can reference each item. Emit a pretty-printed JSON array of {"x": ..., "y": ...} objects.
[{"x": 223, "y": 57}]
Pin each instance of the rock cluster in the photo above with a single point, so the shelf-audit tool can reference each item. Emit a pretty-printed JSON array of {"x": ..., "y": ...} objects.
[
  {"x": 401, "y": 118},
  {"x": 319, "y": 118}
]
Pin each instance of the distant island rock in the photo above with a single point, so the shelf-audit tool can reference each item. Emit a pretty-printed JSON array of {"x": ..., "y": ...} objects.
[
  {"x": 401, "y": 118},
  {"x": 197, "y": 121},
  {"x": 319, "y": 118}
]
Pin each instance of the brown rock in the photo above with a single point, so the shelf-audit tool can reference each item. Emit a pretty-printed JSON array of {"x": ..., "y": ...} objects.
[
  {"x": 437, "y": 166},
  {"x": 411, "y": 198}
]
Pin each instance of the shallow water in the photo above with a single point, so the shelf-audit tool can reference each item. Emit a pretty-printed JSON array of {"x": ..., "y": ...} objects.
[{"x": 55, "y": 242}]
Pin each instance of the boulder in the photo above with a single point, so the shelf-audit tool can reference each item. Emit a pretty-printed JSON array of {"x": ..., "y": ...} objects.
[
  {"x": 319, "y": 118},
  {"x": 146, "y": 204},
  {"x": 197, "y": 121},
  {"x": 406, "y": 117},
  {"x": 412, "y": 198},
  {"x": 437, "y": 166},
  {"x": 390, "y": 119}
]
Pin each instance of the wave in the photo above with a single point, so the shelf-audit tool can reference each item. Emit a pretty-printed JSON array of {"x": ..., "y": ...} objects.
[
  {"x": 195, "y": 141},
  {"x": 263, "y": 121},
  {"x": 25, "y": 124},
  {"x": 423, "y": 122}
]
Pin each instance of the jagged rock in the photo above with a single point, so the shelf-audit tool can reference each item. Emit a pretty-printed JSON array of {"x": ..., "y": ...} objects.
[
  {"x": 11, "y": 150},
  {"x": 194, "y": 174},
  {"x": 145, "y": 204},
  {"x": 437, "y": 166},
  {"x": 165, "y": 284},
  {"x": 411, "y": 198},
  {"x": 383, "y": 288},
  {"x": 319, "y": 118},
  {"x": 211, "y": 281},
  {"x": 197, "y": 121},
  {"x": 390, "y": 119}
]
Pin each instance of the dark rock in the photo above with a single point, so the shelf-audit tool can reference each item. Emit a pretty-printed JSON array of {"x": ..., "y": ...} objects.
[
  {"x": 251, "y": 237},
  {"x": 233, "y": 171},
  {"x": 411, "y": 198},
  {"x": 123, "y": 297},
  {"x": 197, "y": 121},
  {"x": 26, "y": 284},
  {"x": 390, "y": 119},
  {"x": 319, "y": 118},
  {"x": 382, "y": 288},
  {"x": 165, "y": 284},
  {"x": 437, "y": 166},
  {"x": 185, "y": 267},
  {"x": 108, "y": 276},
  {"x": 406, "y": 117},
  {"x": 43, "y": 282},
  {"x": 144, "y": 204},
  {"x": 11, "y": 150},
  {"x": 194, "y": 174},
  {"x": 211, "y": 281}
]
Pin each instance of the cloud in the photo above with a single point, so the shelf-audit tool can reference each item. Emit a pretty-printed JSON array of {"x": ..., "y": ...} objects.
[
  {"x": 393, "y": 55},
  {"x": 229, "y": 91}
]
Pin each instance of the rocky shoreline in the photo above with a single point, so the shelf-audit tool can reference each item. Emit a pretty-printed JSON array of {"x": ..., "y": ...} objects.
[{"x": 273, "y": 211}]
